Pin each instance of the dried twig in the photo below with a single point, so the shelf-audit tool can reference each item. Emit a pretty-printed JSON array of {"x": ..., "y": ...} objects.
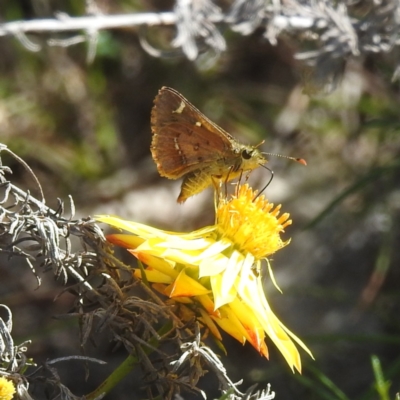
[{"x": 339, "y": 31}]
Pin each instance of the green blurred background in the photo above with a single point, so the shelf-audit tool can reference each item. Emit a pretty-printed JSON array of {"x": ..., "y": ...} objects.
[{"x": 84, "y": 129}]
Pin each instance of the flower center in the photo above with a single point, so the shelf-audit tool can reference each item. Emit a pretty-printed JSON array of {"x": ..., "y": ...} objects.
[{"x": 253, "y": 226}]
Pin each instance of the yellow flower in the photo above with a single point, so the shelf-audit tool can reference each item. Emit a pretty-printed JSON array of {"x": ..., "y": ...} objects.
[
  {"x": 7, "y": 389},
  {"x": 219, "y": 268}
]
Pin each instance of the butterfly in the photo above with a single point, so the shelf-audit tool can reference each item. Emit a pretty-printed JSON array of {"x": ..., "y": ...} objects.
[{"x": 185, "y": 143}]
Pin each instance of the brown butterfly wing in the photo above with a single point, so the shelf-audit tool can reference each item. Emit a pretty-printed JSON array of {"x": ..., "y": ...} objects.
[{"x": 184, "y": 139}]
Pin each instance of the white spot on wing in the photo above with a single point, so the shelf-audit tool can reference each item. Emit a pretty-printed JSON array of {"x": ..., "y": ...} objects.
[
  {"x": 180, "y": 108},
  {"x": 176, "y": 144}
]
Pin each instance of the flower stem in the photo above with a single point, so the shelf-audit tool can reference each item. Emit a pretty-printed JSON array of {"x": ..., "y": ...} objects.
[{"x": 125, "y": 368}]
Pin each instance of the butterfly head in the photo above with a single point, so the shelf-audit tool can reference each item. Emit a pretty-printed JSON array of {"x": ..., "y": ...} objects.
[{"x": 251, "y": 158}]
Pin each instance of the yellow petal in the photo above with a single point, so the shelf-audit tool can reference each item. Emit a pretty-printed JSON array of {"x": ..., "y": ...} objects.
[
  {"x": 254, "y": 297},
  {"x": 213, "y": 265},
  {"x": 181, "y": 256},
  {"x": 156, "y": 247},
  {"x": 246, "y": 273},
  {"x": 165, "y": 267},
  {"x": 271, "y": 274},
  {"x": 255, "y": 331},
  {"x": 130, "y": 226},
  {"x": 206, "y": 319},
  {"x": 214, "y": 248},
  {"x": 176, "y": 242},
  {"x": 153, "y": 276},
  {"x": 126, "y": 241},
  {"x": 231, "y": 272},
  {"x": 208, "y": 304},
  {"x": 230, "y": 327},
  {"x": 221, "y": 298},
  {"x": 186, "y": 286}
]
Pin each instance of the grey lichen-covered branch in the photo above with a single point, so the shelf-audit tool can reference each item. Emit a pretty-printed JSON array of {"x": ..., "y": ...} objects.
[
  {"x": 31, "y": 230},
  {"x": 335, "y": 31}
]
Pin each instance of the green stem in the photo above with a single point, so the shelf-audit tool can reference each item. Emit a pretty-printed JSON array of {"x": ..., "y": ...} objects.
[
  {"x": 125, "y": 368},
  {"x": 116, "y": 376}
]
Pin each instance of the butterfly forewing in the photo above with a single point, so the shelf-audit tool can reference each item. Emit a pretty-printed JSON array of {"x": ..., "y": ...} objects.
[{"x": 183, "y": 137}]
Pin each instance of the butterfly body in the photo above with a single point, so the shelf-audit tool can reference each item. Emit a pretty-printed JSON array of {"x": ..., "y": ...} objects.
[{"x": 186, "y": 143}]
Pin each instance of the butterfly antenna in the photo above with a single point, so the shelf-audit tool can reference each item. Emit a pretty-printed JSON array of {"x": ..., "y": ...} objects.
[
  {"x": 268, "y": 183},
  {"x": 299, "y": 160}
]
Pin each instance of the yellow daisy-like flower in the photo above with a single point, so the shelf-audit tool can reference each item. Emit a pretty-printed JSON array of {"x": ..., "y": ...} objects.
[
  {"x": 7, "y": 389},
  {"x": 218, "y": 267}
]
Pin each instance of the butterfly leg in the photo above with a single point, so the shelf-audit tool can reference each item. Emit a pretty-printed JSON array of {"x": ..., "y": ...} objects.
[
  {"x": 239, "y": 180},
  {"x": 226, "y": 181}
]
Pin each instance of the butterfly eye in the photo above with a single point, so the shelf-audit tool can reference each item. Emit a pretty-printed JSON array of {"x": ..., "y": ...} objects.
[{"x": 247, "y": 154}]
